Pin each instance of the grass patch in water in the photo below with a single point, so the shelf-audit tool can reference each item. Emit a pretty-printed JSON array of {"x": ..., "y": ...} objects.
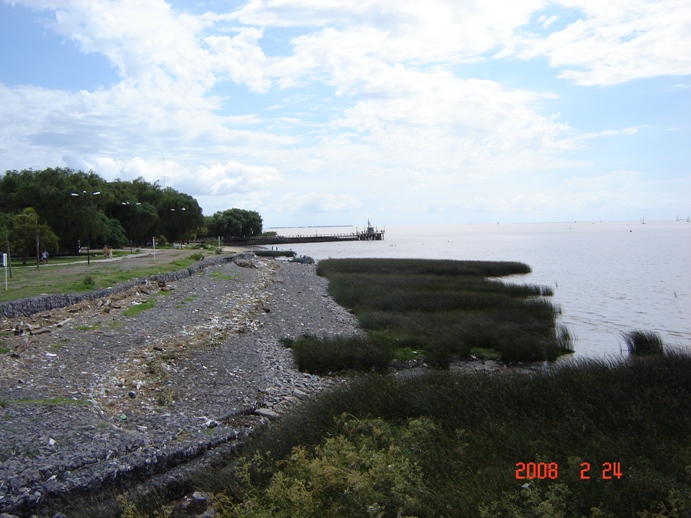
[{"x": 444, "y": 308}]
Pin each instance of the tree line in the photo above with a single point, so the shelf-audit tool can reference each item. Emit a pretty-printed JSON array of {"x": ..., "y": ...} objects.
[{"x": 62, "y": 209}]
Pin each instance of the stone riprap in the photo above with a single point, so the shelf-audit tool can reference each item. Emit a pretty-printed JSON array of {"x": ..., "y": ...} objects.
[{"x": 101, "y": 400}]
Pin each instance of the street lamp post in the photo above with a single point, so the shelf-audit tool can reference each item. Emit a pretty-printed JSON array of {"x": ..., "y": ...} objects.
[
  {"x": 86, "y": 220},
  {"x": 130, "y": 205},
  {"x": 173, "y": 210}
]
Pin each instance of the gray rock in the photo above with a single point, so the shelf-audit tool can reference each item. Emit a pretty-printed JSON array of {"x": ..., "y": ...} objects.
[
  {"x": 205, "y": 370},
  {"x": 267, "y": 412}
]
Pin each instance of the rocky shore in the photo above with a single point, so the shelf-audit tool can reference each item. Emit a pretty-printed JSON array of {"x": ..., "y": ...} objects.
[{"x": 91, "y": 398}]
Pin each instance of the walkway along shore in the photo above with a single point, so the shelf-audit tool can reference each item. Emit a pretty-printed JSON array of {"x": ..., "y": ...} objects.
[{"x": 92, "y": 399}]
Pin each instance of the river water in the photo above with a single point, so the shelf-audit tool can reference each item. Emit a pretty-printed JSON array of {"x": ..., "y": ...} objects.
[{"x": 608, "y": 278}]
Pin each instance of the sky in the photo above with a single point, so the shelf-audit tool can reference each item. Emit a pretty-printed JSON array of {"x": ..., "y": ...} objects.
[{"x": 333, "y": 112}]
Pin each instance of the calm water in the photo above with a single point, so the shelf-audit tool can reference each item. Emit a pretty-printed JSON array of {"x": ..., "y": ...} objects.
[{"x": 608, "y": 277}]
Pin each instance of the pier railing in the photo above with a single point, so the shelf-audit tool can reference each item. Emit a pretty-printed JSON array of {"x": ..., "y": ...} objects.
[
  {"x": 307, "y": 238},
  {"x": 279, "y": 240}
]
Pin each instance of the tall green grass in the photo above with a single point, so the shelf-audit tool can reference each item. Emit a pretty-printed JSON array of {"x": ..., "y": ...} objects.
[
  {"x": 643, "y": 343},
  {"x": 448, "y": 444},
  {"x": 446, "y": 308},
  {"x": 325, "y": 355}
]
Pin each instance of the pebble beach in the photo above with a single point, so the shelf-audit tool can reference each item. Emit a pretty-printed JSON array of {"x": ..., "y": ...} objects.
[{"x": 93, "y": 399}]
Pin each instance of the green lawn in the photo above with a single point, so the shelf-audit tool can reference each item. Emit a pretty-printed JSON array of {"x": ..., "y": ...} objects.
[{"x": 68, "y": 276}]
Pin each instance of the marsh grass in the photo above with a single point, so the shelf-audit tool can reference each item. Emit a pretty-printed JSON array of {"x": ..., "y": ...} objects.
[
  {"x": 447, "y": 444},
  {"x": 326, "y": 355},
  {"x": 643, "y": 343},
  {"x": 446, "y": 308}
]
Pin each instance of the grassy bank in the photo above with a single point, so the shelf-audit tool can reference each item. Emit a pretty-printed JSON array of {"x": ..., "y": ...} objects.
[
  {"x": 435, "y": 309},
  {"x": 76, "y": 277},
  {"x": 608, "y": 440}
]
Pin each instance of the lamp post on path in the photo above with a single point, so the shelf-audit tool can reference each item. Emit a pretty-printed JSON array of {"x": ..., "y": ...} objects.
[
  {"x": 130, "y": 205},
  {"x": 177, "y": 226},
  {"x": 86, "y": 220}
]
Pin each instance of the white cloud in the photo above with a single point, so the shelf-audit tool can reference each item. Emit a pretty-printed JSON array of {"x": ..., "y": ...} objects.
[
  {"x": 437, "y": 29},
  {"x": 546, "y": 22},
  {"x": 234, "y": 177},
  {"x": 450, "y": 124},
  {"x": 141, "y": 38},
  {"x": 241, "y": 57},
  {"x": 230, "y": 178},
  {"x": 616, "y": 41}
]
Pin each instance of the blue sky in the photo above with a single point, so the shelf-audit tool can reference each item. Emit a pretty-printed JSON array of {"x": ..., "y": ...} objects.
[{"x": 323, "y": 112}]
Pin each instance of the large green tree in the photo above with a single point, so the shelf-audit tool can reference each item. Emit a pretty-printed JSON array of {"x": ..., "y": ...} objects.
[
  {"x": 140, "y": 220},
  {"x": 27, "y": 236},
  {"x": 50, "y": 193},
  {"x": 122, "y": 211},
  {"x": 234, "y": 223},
  {"x": 180, "y": 216}
]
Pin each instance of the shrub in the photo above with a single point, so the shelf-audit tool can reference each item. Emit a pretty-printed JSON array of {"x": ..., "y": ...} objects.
[
  {"x": 287, "y": 341},
  {"x": 438, "y": 356},
  {"x": 88, "y": 280},
  {"x": 643, "y": 343},
  {"x": 197, "y": 256},
  {"x": 367, "y": 468}
]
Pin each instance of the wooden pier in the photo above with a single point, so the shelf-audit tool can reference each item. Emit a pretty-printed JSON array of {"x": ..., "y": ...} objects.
[
  {"x": 369, "y": 234},
  {"x": 286, "y": 240}
]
